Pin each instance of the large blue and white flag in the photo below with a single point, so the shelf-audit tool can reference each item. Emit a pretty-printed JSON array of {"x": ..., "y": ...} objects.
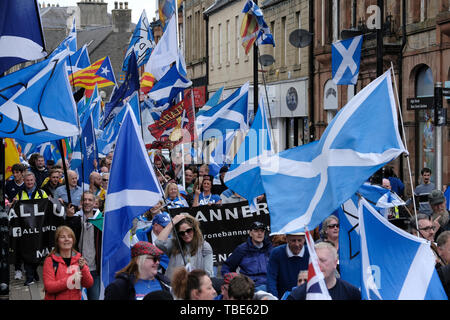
[
  {"x": 213, "y": 101},
  {"x": 79, "y": 60},
  {"x": 244, "y": 175},
  {"x": 21, "y": 36},
  {"x": 168, "y": 88},
  {"x": 141, "y": 42},
  {"x": 345, "y": 60},
  {"x": 349, "y": 239},
  {"x": 228, "y": 115},
  {"x": 306, "y": 184},
  {"x": 84, "y": 154},
  {"x": 126, "y": 198},
  {"x": 37, "y": 104},
  {"x": 396, "y": 265},
  {"x": 109, "y": 134},
  {"x": 126, "y": 89},
  {"x": 254, "y": 28}
]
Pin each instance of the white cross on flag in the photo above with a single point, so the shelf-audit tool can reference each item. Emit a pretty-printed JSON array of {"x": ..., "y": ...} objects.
[{"x": 345, "y": 59}]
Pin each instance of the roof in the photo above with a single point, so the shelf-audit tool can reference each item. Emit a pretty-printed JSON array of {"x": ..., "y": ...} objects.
[{"x": 219, "y": 4}]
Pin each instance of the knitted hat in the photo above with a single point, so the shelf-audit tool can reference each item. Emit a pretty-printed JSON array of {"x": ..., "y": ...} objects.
[
  {"x": 144, "y": 247},
  {"x": 228, "y": 277},
  {"x": 436, "y": 197}
]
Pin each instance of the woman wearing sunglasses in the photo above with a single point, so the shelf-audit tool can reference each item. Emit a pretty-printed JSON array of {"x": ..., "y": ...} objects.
[
  {"x": 198, "y": 253},
  {"x": 140, "y": 276},
  {"x": 330, "y": 230}
]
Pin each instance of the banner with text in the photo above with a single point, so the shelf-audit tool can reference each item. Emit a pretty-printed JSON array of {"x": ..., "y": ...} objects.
[
  {"x": 32, "y": 226},
  {"x": 226, "y": 226}
]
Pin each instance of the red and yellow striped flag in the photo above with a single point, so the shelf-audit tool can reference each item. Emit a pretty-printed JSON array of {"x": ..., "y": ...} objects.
[
  {"x": 249, "y": 31},
  {"x": 100, "y": 73},
  {"x": 147, "y": 82}
]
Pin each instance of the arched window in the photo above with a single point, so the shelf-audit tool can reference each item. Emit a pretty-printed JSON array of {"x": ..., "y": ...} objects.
[{"x": 424, "y": 87}]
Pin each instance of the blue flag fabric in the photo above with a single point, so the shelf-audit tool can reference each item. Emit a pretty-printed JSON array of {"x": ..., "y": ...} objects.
[
  {"x": 306, "y": 184},
  {"x": 109, "y": 134},
  {"x": 349, "y": 239},
  {"x": 212, "y": 102},
  {"x": 126, "y": 89},
  {"x": 345, "y": 60},
  {"x": 85, "y": 152},
  {"x": 21, "y": 36},
  {"x": 396, "y": 265},
  {"x": 37, "y": 103},
  {"x": 128, "y": 196},
  {"x": 78, "y": 61},
  {"x": 244, "y": 175}
]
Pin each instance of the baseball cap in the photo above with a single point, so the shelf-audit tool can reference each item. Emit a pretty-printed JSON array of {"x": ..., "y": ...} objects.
[
  {"x": 436, "y": 197},
  {"x": 162, "y": 219},
  {"x": 258, "y": 226},
  {"x": 144, "y": 247}
]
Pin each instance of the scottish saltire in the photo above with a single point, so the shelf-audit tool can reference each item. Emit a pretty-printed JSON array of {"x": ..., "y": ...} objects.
[
  {"x": 11, "y": 156},
  {"x": 345, "y": 60},
  {"x": 228, "y": 115},
  {"x": 147, "y": 82},
  {"x": 166, "y": 9},
  {"x": 126, "y": 89},
  {"x": 349, "y": 239},
  {"x": 213, "y": 101},
  {"x": 134, "y": 104},
  {"x": 316, "y": 288},
  {"x": 141, "y": 42},
  {"x": 306, "y": 184},
  {"x": 79, "y": 60},
  {"x": 85, "y": 112},
  {"x": 396, "y": 265},
  {"x": 21, "y": 36},
  {"x": 99, "y": 73},
  {"x": 41, "y": 108},
  {"x": 168, "y": 88},
  {"x": 244, "y": 174},
  {"x": 165, "y": 52},
  {"x": 69, "y": 43},
  {"x": 89, "y": 149},
  {"x": 254, "y": 28},
  {"x": 126, "y": 198},
  {"x": 109, "y": 133}
]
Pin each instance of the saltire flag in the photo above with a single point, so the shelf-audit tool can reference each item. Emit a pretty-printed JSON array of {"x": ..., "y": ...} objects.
[
  {"x": 109, "y": 133},
  {"x": 230, "y": 114},
  {"x": 11, "y": 156},
  {"x": 21, "y": 35},
  {"x": 141, "y": 42},
  {"x": 396, "y": 265},
  {"x": 87, "y": 149},
  {"x": 316, "y": 288},
  {"x": 254, "y": 28},
  {"x": 360, "y": 139},
  {"x": 244, "y": 174},
  {"x": 213, "y": 101},
  {"x": 147, "y": 82},
  {"x": 126, "y": 89},
  {"x": 89, "y": 107},
  {"x": 349, "y": 238},
  {"x": 79, "y": 60},
  {"x": 126, "y": 198},
  {"x": 99, "y": 73},
  {"x": 165, "y": 52},
  {"x": 37, "y": 104},
  {"x": 168, "y": 88},
  {"x": 69, "y": 43},
  {"x": 345, "y": 60}
]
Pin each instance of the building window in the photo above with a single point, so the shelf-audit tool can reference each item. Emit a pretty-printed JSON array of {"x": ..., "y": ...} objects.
[
  {"x": 299, "y": 26},
  {"x": 272, "y": 29},
  {"x": 228, "y": 42},
  {"x": 213, "y": 53},
  {"x": 238, "y": 38},
  {"x": 425, "y": 88},
  {"x": 219, "y": 43},
  {"x": 283, "y": 41},
  {"x": 335, "y": 20}
]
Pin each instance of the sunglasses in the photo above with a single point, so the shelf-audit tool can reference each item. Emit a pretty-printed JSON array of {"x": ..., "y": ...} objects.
[
  {"x": 154, "y": 258},
  {"x": 428, "y": 229},
  {"x": 331, "y": 226},
  {"x": 183, "y": 233}
]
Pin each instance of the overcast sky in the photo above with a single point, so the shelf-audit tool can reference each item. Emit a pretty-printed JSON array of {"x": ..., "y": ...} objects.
[{"x": 136, "y": 6}]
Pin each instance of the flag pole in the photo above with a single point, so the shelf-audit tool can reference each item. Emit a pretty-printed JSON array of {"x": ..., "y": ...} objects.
[{"x": 406, "y": 146}]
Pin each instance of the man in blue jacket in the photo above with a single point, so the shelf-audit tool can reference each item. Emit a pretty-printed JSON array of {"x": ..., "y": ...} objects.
[
  {"x": 285, "y": 262},
  {"x": 251, "y": 256}
]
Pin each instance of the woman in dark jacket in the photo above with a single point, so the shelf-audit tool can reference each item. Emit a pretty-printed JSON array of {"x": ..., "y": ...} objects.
[
  {"x": 140, "y": 276},
  {"x": 251, "y": 256}
]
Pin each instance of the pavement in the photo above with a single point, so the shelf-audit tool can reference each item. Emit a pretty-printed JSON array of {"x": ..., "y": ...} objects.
[{"x": 17, "y": 291}]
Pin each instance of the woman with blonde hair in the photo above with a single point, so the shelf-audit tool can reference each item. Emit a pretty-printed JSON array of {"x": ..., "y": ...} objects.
[
  {"x": 194, "y": 285},
  {"x": 195, "y": 252},
  {"x": 65, "y": 270},
  {"x": 140, "y": 276},
  {"x": 173, "y": 197}
]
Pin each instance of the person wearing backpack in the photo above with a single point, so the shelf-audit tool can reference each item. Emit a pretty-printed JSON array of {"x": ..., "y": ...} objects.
[{"x": 65, "y": 271}]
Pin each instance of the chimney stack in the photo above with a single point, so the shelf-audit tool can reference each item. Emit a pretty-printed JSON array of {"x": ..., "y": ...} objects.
[{"x": 121, "y": 18}]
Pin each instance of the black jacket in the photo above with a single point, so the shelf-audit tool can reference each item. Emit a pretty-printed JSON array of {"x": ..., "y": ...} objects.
[{"x": 122, "y": 288}]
